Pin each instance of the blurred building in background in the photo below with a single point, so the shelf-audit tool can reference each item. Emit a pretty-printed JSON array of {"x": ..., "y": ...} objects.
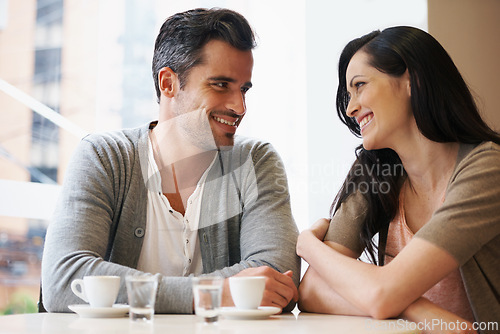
[{"x": 57, "y": 60}]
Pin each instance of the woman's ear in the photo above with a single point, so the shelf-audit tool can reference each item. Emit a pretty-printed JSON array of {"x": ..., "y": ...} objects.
[
  {"x": 408, "y": 83},
  {"x": 168, "y": 82}
]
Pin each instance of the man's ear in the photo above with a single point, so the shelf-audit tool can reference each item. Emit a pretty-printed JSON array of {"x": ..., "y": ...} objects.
[{"x": 168, "y": 82}]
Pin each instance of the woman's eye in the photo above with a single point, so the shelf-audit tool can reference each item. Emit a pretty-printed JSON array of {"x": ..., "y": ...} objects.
[{"x": 359, "y": 84}]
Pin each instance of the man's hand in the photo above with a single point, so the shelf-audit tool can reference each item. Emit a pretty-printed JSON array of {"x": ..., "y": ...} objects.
[{"x": 279, "y": 291}]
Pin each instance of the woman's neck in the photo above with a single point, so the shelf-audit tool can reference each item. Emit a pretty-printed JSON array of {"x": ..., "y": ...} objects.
[{"x": 429, "y": 164}]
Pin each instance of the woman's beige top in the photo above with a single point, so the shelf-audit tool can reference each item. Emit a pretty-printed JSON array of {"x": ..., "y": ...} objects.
[
  {"x": 449, "y": 293},
  {"x": 467, "y": 226}
]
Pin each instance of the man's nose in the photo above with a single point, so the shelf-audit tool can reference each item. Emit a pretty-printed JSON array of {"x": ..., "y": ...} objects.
[{"x": 237, "y": 103}]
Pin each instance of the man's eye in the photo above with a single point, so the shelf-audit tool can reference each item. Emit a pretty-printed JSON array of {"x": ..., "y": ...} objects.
[
  {"x": 220, "y": 84},
  {"x": 244, "y": 89}
]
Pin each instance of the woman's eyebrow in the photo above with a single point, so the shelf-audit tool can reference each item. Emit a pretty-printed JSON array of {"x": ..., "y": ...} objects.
[{"x": 354, "y": 77}]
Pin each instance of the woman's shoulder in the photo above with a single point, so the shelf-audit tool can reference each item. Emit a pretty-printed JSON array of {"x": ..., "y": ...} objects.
[
  {"x": 484, "y": 152},
  {"x": 477, "y": 167}
]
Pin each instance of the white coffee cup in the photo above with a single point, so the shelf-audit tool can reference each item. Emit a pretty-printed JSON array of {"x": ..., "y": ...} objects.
[
  {"x": 247, "y": 291},
  {"x": 98, "y": 291}
]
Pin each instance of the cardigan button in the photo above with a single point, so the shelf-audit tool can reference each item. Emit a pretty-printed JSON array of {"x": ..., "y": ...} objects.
[{"x": 139, "y": 232}]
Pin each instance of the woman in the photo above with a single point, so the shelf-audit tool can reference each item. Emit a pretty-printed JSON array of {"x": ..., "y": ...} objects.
[{"x": 426, "y": 180}]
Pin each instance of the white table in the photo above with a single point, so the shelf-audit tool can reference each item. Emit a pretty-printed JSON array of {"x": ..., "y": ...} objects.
[{"x": 69, "y": 323}]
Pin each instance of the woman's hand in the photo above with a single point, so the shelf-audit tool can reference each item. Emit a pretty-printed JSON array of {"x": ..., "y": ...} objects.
[
  {"x": 313, "y": 234},
  {"x": 319, "y": 228},
  {"x": 423, "y": 312}
]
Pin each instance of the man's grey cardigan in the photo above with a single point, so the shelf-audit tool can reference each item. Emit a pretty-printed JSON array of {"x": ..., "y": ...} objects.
[{"x": 100, "y": 219}]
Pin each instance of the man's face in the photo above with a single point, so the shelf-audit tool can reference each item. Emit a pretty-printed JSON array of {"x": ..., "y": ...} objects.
[{"x": 212, "y": 103}]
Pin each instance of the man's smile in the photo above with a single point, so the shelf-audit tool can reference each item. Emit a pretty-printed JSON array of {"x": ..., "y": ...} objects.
[{"x": 224, "y": 121}]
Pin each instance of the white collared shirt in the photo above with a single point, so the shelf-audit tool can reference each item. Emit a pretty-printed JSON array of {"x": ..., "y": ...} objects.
[{"x": 170, "y": 245}]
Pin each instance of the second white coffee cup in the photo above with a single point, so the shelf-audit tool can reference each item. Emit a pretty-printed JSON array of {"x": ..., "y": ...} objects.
[
  {"x": 247, "y": 292},
  {"x": 98, "y": 291}
]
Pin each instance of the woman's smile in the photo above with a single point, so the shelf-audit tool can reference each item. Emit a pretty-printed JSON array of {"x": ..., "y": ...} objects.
[{"x": 365, "y": 121}]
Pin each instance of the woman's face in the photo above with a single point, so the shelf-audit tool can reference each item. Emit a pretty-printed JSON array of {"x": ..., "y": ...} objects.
[{"x": 379, "y": 102}]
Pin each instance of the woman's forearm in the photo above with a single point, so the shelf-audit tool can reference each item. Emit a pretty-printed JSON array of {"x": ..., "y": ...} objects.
[
  {"x": 349, "y": 278},
  {"x": 316, "y": 296},
  {"x": 381, "y": 292}
]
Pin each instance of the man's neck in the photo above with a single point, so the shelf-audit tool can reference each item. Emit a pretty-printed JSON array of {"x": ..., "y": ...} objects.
[{"x": 180, "y": 165}]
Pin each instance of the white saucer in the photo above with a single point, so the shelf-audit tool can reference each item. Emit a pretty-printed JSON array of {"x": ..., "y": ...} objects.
[
  {"x": 260, "y": 313},
  {"x": 86, "y": 311}
]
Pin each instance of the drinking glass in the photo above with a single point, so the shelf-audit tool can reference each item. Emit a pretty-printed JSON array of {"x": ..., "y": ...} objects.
[
  {"x": 207, "y": 293},
  {"x": 141, "y": 292}
]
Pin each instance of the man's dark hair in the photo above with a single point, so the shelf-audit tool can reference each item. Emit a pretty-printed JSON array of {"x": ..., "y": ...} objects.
[{"x": 182, "y": 37}]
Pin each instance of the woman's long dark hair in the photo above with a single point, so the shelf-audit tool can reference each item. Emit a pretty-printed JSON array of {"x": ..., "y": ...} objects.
[{"x": 442, "y": 104}]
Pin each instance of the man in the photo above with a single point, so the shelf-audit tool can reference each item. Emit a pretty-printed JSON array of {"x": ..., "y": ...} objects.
[{"x": 182, "y": 196}]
